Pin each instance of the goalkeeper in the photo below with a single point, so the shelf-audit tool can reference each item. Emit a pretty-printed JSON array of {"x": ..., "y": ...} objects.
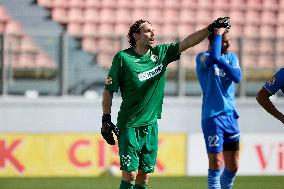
[
  {"x": 269, "y": 89},
  {"x": 139, "y": 73}
]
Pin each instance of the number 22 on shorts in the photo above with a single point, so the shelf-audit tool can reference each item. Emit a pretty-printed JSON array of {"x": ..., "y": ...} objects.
[{"x": 213, "y": 140}]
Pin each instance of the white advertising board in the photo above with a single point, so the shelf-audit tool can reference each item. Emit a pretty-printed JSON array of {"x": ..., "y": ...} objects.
[{"x": 260, "y": 154}]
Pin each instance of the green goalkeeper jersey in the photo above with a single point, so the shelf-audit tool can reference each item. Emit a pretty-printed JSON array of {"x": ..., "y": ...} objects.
[{"x": 141, "y": 80}]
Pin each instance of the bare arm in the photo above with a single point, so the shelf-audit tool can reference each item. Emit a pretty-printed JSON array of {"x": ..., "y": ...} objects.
[
  {"x": 193, "y": 39},
  {"x": 263, "y": 99},
  {"x": 107, "y": 102}
]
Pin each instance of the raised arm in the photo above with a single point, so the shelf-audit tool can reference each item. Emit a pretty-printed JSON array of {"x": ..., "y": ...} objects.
[{"x": 263, "y": 99}]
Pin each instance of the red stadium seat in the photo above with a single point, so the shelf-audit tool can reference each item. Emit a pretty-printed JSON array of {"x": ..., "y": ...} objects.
[
  {"x": 280, "y": 31},
  {"x": 237, "y": 17},
  {"x": 269, "y": 17},
  {"x": 123, "y": 15},
  {"x": 13, "y": 28},
  {"x": 107, "y": 15},
  {"x": 27, "y": 60},
  {"x": 267, "y": 31},
  {"x": 4, "y": 17},
  {"x": 60, "y": 3},
  {"x": 254, "y": 4},
  {"x": 172, "y": 4},
  {"x": 270, "y": 4},
  {"x": 139, "y": 13},
  {"x": 108, "y": 4},
  {"x": 171, "y": 15},
  {"x": 121, "y": 29},
  {"x": 105, "y": 28},
  {"x": 43, "y": 60},
  {"x": 77, "y": 4},
  {"x": 251, "y": 30},
  {"x": 92, "y": 4},
  {"x": 28, "y": 45},
  {"x": 252, "y": 17}
]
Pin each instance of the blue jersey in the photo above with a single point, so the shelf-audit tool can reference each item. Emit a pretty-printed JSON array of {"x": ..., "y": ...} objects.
[
  {"x": 276, "y": 82},
  {"x": 217, "y": 87}
]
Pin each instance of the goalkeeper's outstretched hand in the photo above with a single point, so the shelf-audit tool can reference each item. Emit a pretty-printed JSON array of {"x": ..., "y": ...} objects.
[
  {"x": 108, "y": 128},
  {"x": 222, "y": 22}
]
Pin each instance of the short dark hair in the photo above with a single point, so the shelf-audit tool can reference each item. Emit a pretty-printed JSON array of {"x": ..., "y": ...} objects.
[
  {"x": 135, "y": 28},
  {"x": 211, "y": 36}
]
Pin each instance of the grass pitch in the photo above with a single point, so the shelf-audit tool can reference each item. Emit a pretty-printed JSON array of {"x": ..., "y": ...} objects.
[{"x": 108, "y": 182}]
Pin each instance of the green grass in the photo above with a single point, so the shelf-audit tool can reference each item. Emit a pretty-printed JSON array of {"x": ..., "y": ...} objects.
[{"x": 107, "y": 182}]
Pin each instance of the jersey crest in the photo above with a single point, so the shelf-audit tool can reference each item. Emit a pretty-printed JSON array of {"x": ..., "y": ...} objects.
[
  {"x": 108, "y": 81},
  {"x": 154, "y": 58},
  {"x": 271, "y": 81}
]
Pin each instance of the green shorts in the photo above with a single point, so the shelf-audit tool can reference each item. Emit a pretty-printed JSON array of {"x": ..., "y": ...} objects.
[{"x": 138, "y": 147}]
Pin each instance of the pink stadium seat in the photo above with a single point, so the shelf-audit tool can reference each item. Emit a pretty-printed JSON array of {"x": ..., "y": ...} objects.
[
  {"x": 27, "y": 60},
  {"x": 236, "y": 30},
  {"x": 108, "y": 45},
  {"x": 107, "y": 15},
  {"x": 13, "y": 28},
  {"x": 124, "y": 4},
  {"x": 222, "y": 4},
  {"x": 14, "y": 43},
  {"x": 139, "y": 14},
  {"x": 156, "y": 4},
  {"x": 169, "y": 29},
  {"x": 267, "y": 31},
  {"x": 238, "y": 4},
  {"x": 2, "y": 27},
  {"x": 254, "y": 4},
  {"x": 203, "y": 5},
  {"x": 92, "y": 4},
  {"x": 89, "y": 29},
  {"x": 219, "y": 13},
  {"x": 270, "y": 4},
  {"x": 266, "y": 46},
  {"x": 280, "y": 17},
  {"x": 250, "y": 46},
  {"x": 45, "y": 3},
  {"x": 280, "y": 47},
  {"x": 75, "y": 29},
  {"x": 172, "y": 4},
  {"x": 109, "y": 3},
  {"x": 105, "y": 28},
  {"x": 171, "y": 15},
  {"x": 4, "y": 17},
  {"x": 187, "y": 16},
  {"x": 91, "y": 15},
  {"x": 237, "y": 16},
  {"x": 28, "y": 45},
  {"x": 75, "y": 15},
  {"x": 202, "y": 16},
  {"x": 155, "y": 15},
  {"x": 77, "y": 4},
  {"x": 280, "y": 61},
  {"x": 43, "y": 60},
  {"x": 139, "y": 3},
  {"x": 121, "y": 29},
  {"x": 123, "y": 15},
  {"x": 265, "y": 61},
  {"x": 185, "y": 4},
  {"x": 269, "y": 17},
  {"x": 280, "y": 31},
  {"x": 105, "y": 59},
  {"x": 89, "y": 44},
  {"x": 60, "y": 15},
  {"x": 185, "y": 29},
  {"x": 60, "y": 3},
  {"x": 252, "y": 17},
  {"x": 249, "y": 61}
]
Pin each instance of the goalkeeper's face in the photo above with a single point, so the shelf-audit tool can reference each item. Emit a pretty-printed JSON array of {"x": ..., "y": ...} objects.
[
  {"x": 226, "y": 42},
  {"x": 145, "y": 37}
]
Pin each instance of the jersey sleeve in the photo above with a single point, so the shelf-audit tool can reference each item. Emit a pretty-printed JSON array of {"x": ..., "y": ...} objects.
[
  {"x": 112, "y": 81},
  {"x": 276, "y": 82},
  {"x": 171, "y": 52}
]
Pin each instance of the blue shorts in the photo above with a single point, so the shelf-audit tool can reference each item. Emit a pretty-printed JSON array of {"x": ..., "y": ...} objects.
[{"x": 220, "y": 130}]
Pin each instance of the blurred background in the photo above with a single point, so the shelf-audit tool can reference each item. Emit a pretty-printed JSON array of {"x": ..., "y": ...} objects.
[{"x": 55, "y": 55}]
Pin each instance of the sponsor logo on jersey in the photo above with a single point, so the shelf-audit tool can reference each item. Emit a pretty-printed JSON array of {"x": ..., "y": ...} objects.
[
  {"x": 154, "y": 58},
  {"x": 109, "y": 81},
  {"x": 219, "y": 72},
  {"x": 271, "y": 81},
  {"x": 150, "y": 73}
]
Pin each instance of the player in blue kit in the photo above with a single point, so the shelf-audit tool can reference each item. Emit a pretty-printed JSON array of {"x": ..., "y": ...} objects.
[
  {"x": 269, "y": 89},
  {"x": 217, "y": 71}
]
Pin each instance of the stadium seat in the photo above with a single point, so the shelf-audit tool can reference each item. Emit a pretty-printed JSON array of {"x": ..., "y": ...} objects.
[
  {"x": 269, "y": 17},
  {"x": 92, "y": 4},
  {"x": 280, "y": 17},
  {"x": 60, "y": 15},
  {"x": 105, "y": 59},
  {"x": 4, "y": 17},
  {"x": 107, "y": 15},
  {"x": 139, "y": 13},
  {"x": 123, "y": 15},
  {"x": 266, "y": 46},
  {"x": 222, "y": 4},
  {"x": 254, "y": 4},
  {"x": 265, "y": 61},
  {"x": 251, "y": 30},
  {"x": 13, "y": 28},
  {"x": 267, "y": 31},
  {"x": 105, "y": 28},
  {"x": 60, "y": 3},
  {"x": 89, "y": 29},
  {"x": 185, "y": 4},
  {"x": 77, "y": 4},
  {"x": 27, "y": 60},
  {"x": 169, "y": 29},
  {"x": 28, "y": 45},
  {"x": 237, "y": 16},
  {"x": 172, "y": 4},
  {"x": 2, "y": 27},
  {"x": 237, "y": 4},
  {"x": 121, "y": 29},
  {"x": 89, "y": 44},
  {"x": 155, "y": 15},
  {"x": 46, "y": 3},
  {"x": 202, "y": 16},
  {"x": 91, "y": 15},
  {"x": 187, "y": 16},
  {"x": 252, "y": 17},
  {"x": 108, "y": 4},
  {"x": 75, "y": 29},
  {"x": 185, "y": 29},
  {"x": 280, "y": 31},
  {"x": 236, "y": 30},
  {"x": 43, "y": 60},
  {"x": 171, "y": 15},
  {"x": 219, "y": 13},
  {"x": 76, "y": 15},
  {"x": 270, "y": 4},
  {"x": 156, "y": 4}
]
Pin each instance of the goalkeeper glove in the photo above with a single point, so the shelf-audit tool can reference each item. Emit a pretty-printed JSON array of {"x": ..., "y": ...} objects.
[
  {"x": 108, "y": 128},
  {"x": 222, "y": 22}
]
